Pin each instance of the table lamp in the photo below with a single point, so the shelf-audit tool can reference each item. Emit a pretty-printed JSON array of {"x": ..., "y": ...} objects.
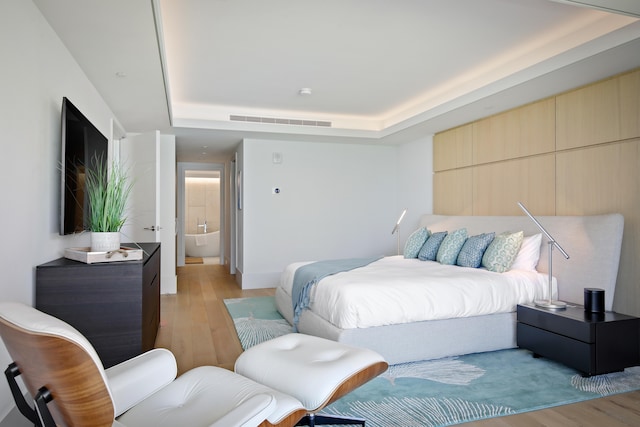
[
  {"x": 548, "y": 303},
  {"x": 396, "y": 228}
]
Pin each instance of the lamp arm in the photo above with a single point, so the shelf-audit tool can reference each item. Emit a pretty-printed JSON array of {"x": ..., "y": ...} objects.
[
  {"x": 545, "y": 232},
  {"x": 397, "y": 226}
]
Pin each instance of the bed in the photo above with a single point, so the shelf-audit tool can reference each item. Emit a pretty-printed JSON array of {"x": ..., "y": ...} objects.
[{"x": 478, "y": 321}]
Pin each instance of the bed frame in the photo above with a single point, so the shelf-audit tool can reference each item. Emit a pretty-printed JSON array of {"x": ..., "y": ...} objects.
[{"x": 592, "y": 242}]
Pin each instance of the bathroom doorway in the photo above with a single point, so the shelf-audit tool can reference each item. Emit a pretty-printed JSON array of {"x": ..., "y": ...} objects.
[{"x": 200, "y": 196}]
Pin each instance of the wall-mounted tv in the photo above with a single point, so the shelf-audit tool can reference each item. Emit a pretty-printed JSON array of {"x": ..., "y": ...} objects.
[{"x": 82, "y": 144}]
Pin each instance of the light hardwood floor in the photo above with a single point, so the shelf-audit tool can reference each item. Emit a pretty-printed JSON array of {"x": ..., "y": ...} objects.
[
  {"x": 196, "y": 327},
  {"x": 194, "y": 323}
]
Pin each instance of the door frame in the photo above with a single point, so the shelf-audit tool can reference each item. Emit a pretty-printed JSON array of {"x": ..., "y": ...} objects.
[{"x": 183, "y": 167}]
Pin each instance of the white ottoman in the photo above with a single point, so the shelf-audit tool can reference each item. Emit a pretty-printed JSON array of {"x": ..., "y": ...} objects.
[{"x": 314, "y": 370}]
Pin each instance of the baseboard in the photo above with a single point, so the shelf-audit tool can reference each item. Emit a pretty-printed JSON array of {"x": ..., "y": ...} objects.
[
  {"x": 169, "y": 284},
  {"x": 257, "y": 280}
]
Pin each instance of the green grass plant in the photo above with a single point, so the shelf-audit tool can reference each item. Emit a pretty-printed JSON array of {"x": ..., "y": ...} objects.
[{"x": 107, "y": 191}]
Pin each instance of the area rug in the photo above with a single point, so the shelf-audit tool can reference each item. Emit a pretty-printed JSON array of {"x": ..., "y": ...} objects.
[{"x": 446, "y": 391}]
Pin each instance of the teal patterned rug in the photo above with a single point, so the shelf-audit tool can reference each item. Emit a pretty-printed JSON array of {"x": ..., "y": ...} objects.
[{"x": 446, "y": 391}]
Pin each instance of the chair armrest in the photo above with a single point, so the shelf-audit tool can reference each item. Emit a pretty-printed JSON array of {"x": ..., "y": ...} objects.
[
  {"x": 133, "y": 380},
  {"x": 250, "y": 413}
]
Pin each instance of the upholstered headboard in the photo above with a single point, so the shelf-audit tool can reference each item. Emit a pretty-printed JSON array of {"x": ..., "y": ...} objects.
[{"x": 592, "y": 242}]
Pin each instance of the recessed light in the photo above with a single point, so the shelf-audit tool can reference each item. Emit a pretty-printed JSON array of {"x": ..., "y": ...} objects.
[
  {"x": 121, "y": 74},
  {"x": 305, "y": 91}
]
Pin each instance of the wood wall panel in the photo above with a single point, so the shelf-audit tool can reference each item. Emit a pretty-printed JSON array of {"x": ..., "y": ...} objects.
[
  {"x": 589, "y": 115},
  {"x": 453, "y": 192},
  {"x": 522, "y": 132},
  {"x": 595, "y": 167},
  {"x": 452, "y": 149},
  {"x": 530, "y": 180},
  {"x": 630, "y": 105},
  {"x": 606, "y": 179}
]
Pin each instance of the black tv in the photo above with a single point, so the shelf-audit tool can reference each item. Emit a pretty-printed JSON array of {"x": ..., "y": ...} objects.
[{"x": 82, "y": 145}]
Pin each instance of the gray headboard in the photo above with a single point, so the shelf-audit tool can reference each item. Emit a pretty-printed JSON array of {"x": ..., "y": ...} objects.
[{"x": 592, "y": 242}]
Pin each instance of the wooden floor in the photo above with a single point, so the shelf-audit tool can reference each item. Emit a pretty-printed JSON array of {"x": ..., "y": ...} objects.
[
  {"x": 195, "y": 324},
  {"x": 196, "y": 327}
]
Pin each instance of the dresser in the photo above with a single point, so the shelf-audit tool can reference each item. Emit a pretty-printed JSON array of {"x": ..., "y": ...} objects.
[{"x": 116, "y": 305}]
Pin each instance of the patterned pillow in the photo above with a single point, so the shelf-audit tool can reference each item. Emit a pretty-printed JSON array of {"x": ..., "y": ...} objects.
[
  {"x": 502, "y": 251},
  {"x": 471, "y": 253},
  {"x": 450, "y": 247},
  {"x": 415, "y": 242},
  {"x": 429, "y": 250}
]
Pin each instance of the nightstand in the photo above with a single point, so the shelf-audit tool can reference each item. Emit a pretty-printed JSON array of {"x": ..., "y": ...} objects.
[{"x": 592, "y": 343}]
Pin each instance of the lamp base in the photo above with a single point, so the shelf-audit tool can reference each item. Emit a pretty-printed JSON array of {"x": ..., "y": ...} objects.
[{"x": 551, "y": 304}]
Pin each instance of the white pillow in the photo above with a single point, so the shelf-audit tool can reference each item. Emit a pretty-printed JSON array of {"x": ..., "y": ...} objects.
[{"x": 529, "y": 253}]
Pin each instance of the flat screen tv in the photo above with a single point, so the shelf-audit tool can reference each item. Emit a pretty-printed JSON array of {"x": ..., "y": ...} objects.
[{"x": 82, "y": 145}]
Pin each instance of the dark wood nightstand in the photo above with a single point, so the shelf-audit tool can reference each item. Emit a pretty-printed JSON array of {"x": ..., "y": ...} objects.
[{"x": 592, "y": 343}]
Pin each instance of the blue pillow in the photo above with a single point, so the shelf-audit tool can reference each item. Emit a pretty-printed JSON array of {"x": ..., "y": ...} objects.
[
  {"x": 429, "y": 250},
  {"x": 415, "y": 242},
  {"x": 471, "y": 253},
  {"x": 451, "y": 245}
]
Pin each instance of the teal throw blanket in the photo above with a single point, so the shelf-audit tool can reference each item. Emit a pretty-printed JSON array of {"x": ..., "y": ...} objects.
[{"x": 310, "y": 274}]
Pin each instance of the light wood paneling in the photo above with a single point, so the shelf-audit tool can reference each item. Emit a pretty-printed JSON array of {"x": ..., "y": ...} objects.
[
  {"x": 589, "y": 115},
  {"x": 630, "y": 105},
  {"x": 497, "y": 187},
  {"x": 606, "y": 179},
  {"x": 521, "y": 132},
  {"x": 453, "y": 192},
  {"x": 606, "y": 111},
  {"x": 597, "y": 129},
  {"x": 452, "y": 149}
]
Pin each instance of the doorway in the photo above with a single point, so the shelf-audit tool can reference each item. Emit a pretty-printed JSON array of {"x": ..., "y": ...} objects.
[{"x": 201, "y": 219}]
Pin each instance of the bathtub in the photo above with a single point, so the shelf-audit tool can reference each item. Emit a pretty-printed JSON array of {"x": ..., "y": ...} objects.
[{"x": 202, "y": 245}]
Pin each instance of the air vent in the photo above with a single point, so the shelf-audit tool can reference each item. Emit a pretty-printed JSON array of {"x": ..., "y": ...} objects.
[{"x": 279, "y": 121}]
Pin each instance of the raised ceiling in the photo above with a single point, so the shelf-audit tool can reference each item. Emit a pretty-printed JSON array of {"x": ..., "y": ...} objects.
[{"x": 379, "y": 71}]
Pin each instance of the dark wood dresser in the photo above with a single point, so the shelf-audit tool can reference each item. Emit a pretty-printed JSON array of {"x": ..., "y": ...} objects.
[{"x": 116, "y": 305}]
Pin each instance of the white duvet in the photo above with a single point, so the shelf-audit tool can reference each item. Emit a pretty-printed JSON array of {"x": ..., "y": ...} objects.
[{"x": 395, "y": 290}]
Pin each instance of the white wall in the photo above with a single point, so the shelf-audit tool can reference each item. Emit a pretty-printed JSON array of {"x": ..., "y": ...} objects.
[
  {"x": 336, "y": 201},
  {"x": 415, "y": 183},
  {"x": 168, "y": 274},
  {"x": 37, "y": 71}
]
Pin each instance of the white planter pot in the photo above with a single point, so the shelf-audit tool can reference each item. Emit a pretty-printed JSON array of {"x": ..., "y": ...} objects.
[{"x": 105, "y": 241}]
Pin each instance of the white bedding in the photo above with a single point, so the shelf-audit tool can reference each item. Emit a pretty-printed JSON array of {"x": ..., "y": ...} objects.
[{"x": 396, "y": 290}]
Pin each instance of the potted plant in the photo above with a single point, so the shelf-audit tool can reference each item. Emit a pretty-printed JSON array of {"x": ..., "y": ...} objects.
[{"x": 107, "y": 190}]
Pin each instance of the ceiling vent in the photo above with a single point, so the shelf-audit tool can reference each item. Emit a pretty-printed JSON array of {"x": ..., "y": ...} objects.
[{"x": 279, "y": 121}]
